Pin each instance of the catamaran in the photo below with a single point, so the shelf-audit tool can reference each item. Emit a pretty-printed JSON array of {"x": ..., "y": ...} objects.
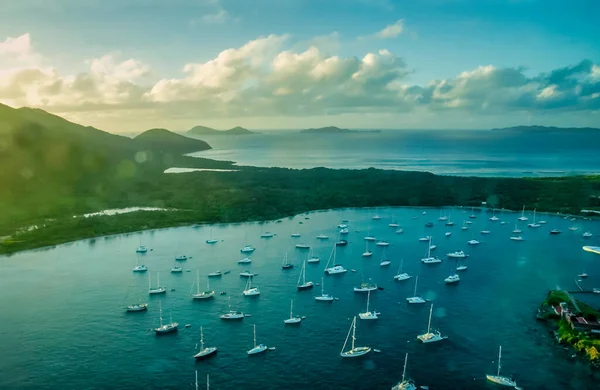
[
  {"x": 205, "y": 294},
  {"x": 430, "y": 259},
  {"x": 368, "y": 315},
  {"x": 323, "y": 297},
  {"x": 293, "y": 319},
  {"x": 405, "y": 384},
  {"x": 431, "y": 337},
  {"x": 354, "y": 351},
  {"x": 141, "y": 249},
  {"x": 498, "y": 379},
  {"x": 245, "y": 260},
  {"x": 457, "y": 255},
  {"x": 401, "y": 275},
  {"x": 366, "y": 287},
  {"x": 336, "y": 268},
  {"x": 165, "y": 328},
  {"x": 304, "y": 285},
  {"x": 257, "y": 348},
  {"x": 415, "y": 298},
  {"x": 453, "y": 278},
  {"x": 249, "y": 290},
  {"x": 140, "y": 267},
  {"x": 204, "y": 352},
  {"x": 158, "y": 289},
  {"x": 523, "y": 217},
  {"x": 533, "y": 224}
]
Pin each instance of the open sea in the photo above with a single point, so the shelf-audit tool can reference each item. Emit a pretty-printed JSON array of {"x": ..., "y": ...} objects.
[
  {"x": 63, "y": 324},
  {"x": 447, "y": 152}
]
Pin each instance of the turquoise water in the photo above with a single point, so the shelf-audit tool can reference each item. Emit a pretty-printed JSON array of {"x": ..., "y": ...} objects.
[
  {"x": 63, "y": 326},
  {"x": 449, "y": 152}
]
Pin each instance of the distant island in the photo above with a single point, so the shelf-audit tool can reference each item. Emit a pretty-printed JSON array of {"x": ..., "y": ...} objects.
[
  {"x": 203, "y": 130},
  {"x": 335, "y": 130},
  {"x": 547, "y": 129},
  {"x": 166, "y": 141}
]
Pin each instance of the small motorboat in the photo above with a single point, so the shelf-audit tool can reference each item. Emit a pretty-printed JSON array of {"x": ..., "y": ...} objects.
[
  {"x": 596, "y": 290},
  {"x": 429, "y": 224},
  {"x": 222, "y": 293},
  {"x": 295, "y": 235},
  {"x": 587, "y": 235},
  {"x": 322, "y": 237},
  {"x": 448, "y": 234},
  {"x": 181, "y": 258},
  {"x": 383, "y": 243},
  {"x": 583, "y": 275},
  {"x": 554, "y": 231},
  {"x": 341, "y": 243},
  {"x": 215, "y": 274},
  {"x": 267, "y": 235},
  {"x": 302, "y": 246},
  {"x": 176, "y": 270}
]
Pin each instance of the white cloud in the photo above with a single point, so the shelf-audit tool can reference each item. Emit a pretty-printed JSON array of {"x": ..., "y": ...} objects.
[
  {"x": 216, "y": 18},
  {"x": 267, "y": 78},
  {"x": 391, "y": 31}
]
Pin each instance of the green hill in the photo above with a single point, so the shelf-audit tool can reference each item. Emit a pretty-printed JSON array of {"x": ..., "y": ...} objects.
[
  {"x": 327, "y": 130},
  {"x": 166, "y": 141},
  {"x": 203, "y": 130}
]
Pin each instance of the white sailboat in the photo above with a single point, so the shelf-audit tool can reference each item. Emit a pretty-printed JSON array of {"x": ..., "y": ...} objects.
[
  {"x": 516, "y": 238},
  {"x": 137, "y": 307},
  {"x": 369, "y": 237},
  {"x": 140, "y": 267},
  {"x": 141, "y": 248},
  {"x": 165, "y": 328},
  {"x": 366, "y": 287},
  {"x": 249, "y": 290},
  {"x": 415, "y": 298},
  {"x": 336, "y": 268},
  {"x": 517, "y": 230},
  {"x": 587, "y": 235},
  {"x": 401, "y": 275},
  {"x": 453, "y": 278},
  {"x": 405, "y": 384},
  {"x": 354, "y": 351},
  {"x": 286, "y": 264},
  {"x": 494, "y": 218},
  {"x": 460, "y": 266},
  {"x": 232, "y": 315},
  {"x": 430, "y": 259},
  {"x": 158, "y": 289},
  {"x": 257, "y": 348},
  {"x": 205, "y": 294},
  {"x": 368, "y": 315},
  {"x": 324, "y": 297},
  {"x": 295, "y": 235},
  {"x": 393, "y": 224},
  {"x": 304, "y": 285},
  {"x": 431, "y": 337},
  {"x": 210, "y": 239},
  {"x": 498, "y": 379},
  {"x": 384, "y": 260},
  {"x": 312, "y": 258},
  {"x": 534, "y": 224},
  {"x": 293, "y": 319},
  {"x": 523, "y": 217},
  {"x": 457, "y": 255},
  {"x": 367, "y": 252},
  {"x": 472, "y": 216},
  {"x": 204, "y": 352},
  {"x": 473, "y": 242}
]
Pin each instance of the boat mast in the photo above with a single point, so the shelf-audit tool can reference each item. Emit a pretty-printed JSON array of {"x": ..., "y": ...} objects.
[
  {"x": 197, "y": 282},
  {"x": 322, "y": 286},
  {"x": 347, "y": 336},
  {"x": 254, "y": 335},
  {"x": 207, "y": 284},
  {"x": 201, "y": 339},
  {"x": 160, "y": 313},
  {"x": 368, "y": 299},
  {"x": 429, "y": 324},
  {"x": 207, "y": 382},
  {"x": 157, "y": 280},
  {"x": 404, "y": 370},
  {"x": 499, "y": 359},
  {"x": 416, "y": 280},
  {"x": 353, "y": 332},
  {"x": 291, "y": 308},
  {"x": 196, "y": 379}
]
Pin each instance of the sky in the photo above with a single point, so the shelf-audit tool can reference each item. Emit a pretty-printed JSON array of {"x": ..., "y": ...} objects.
[{"x": 126, "y": 66}]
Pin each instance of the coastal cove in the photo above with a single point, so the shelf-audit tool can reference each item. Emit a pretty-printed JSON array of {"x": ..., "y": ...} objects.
[{"x": 493, "y": 304}]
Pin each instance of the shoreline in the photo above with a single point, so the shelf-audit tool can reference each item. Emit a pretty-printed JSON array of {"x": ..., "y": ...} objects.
[{"x": 202, "y": 224}]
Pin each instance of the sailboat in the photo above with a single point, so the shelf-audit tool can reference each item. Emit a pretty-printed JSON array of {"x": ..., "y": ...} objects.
[
  {"x": 140, "y": 267},
  {"x": 232, "y": 314},
  {"x": 304, "y": 285},
  {"x": 587, "y": 235},
  {"x": 312, "y": 258},
  {"x": 430, "y": 337},
  {"x": 464, "y": 226},
  {"x": 460, "y": 266},
  {"x": 285, "y": 264},
  {"x": 366, "y": 287},
  {"x": 245, "y": 260},
  {"x": 453, "y": 278},
  {"x": 401, "y": 275},
  {"x": 405, "y": 384},
  {"x": 176, "y": 269},
  {"x": 367, "y": 252},
  {"x": 429, "y": 259},
  {"x": 247, "y": 247},
  {"x": 210, "y": 239},
  {"x": 369, "y": 237},
  {"x": 501, "y": 380},
  {"x": 354, "y": 351},
  {"x": 158, "y": 289},
  {"x": 181, "y": 258},
  {"x": 472, "y": 216},
  {"x": 415, "y": 298},
  {"x": 249, "y": 290},
  {"x": 384, "y": 261},
  {"x": 165, "y": 328},
  {"x": 534, "y": 224},
  {"x": 204, "y": 352},
  {"x": 336, "y": 268},
  {"x": 257, "y": 348},
  {"x": 494, "y": 218},
  {"x": 457, "y": 255},
  {"x": 323, "y": 297},
  {"x": 368, "y": 315},
  {"x": 141, "y": 248},
  {"x": 205, "y": 294},
  {"x": 137, "y": 307},
  {"x": 517, "y": 230},
  {"x": 293, "y": 319},
  {"x": 393, "y": 224},
  {"x": 523, "y": 217}
]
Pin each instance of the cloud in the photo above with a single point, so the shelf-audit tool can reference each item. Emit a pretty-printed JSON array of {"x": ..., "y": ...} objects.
[
  {"x": 270, "y": 77},
  {"x": 391, "y": 31},
  {"x": 216, "y": 18}
]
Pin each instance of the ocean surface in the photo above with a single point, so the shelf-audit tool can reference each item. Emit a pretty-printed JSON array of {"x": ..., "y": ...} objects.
[
  {"x": 64, "y": 325},
  {"x": 448, "y": 152}
]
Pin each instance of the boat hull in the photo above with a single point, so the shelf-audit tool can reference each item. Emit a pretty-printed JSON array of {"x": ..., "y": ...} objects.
[
  {"x": 415, "y": 300},
  {"x": 206, "y": 352},
  {"x": 290, "y": 321},
  {"x": 356, "y": 352},
  {"x": 166, "y": 330},
  {"x": 501, "y": 380},
  {"x": 402, "y": 277},
  {"x": 258, "y": 349},
  {"x": 324, "y": 299},
  {"x": 306, "y": 286}
]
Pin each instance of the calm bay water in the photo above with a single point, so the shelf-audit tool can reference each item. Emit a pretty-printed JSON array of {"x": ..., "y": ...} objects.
[
  {"x": 449, "y": 152},
  {"x": 64, "y": 327}
]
